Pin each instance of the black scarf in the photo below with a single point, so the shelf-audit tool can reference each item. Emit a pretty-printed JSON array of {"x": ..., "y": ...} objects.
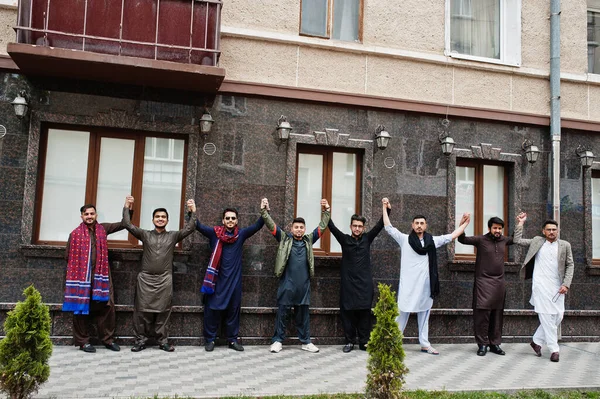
[{"x": 430, "y": 251}]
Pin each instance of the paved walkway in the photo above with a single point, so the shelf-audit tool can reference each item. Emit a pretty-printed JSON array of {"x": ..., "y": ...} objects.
[{"x": 190, "y": 371}]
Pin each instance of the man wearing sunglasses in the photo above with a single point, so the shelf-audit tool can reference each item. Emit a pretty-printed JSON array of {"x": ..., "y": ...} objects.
[
  {"x": 549, "y": 263},
  {"x": 222, "y": 285}
]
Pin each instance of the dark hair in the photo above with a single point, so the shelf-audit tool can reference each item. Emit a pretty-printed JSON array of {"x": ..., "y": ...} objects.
[
  {"x": 299, "y": 220},
  {"x": 358, "y": 218},
  {"x": 86, "y": 207},
  {"x": 419, "y": 217},
  {"x": 495, "y": 220},
  {"x": 550, "y": 221},
  {"x": 230, "y": 210},
  {"x": 160, "y": 210}
]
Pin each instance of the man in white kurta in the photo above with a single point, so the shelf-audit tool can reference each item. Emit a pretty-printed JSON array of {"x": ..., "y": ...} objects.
[
  {"x": 549, "y": 263},
  {"x": 414, "y": 291}
]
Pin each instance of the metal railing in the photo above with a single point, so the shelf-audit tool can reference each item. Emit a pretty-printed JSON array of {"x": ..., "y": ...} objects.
[{"x": 43, "y": 35}]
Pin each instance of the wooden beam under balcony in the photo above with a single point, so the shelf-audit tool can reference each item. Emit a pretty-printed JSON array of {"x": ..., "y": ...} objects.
[{"x": 76, "y": 64}]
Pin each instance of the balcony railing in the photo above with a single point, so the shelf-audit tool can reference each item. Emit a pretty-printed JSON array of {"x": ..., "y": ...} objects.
[{"x": 183, "y": 31}]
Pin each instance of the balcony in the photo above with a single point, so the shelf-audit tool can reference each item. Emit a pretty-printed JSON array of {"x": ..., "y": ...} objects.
[{"x": 159, "y": 43}]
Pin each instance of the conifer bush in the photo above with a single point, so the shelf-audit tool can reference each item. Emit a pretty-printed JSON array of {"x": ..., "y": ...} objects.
[
  {"x": 386, "y": 355},
  {"x": 26, "y": 349}
]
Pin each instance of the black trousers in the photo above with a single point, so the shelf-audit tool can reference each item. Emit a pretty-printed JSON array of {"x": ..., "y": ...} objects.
[
  {"x": 488, "y": 326},
  {"x": 356, "y": 322},
  {"x": 302, "y": 323},
  {"x": 212, "y": 319}
]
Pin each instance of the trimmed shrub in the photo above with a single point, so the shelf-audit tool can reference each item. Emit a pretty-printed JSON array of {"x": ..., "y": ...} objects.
[
  {"x": 25, "y": 351},
  {"x": 386, "y": 355}
]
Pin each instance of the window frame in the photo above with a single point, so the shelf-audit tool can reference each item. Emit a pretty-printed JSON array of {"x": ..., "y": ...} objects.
[
  {"x": 330, "y": 8},
  {"x": 510, "y": 35},
  {"x": 91, "y": 189},
  {"x": 595, "y": 174},
  {"x": 327, "y": 184},
  {"x": 477, "y": 218},
  {"x": 596, "y": 11}
]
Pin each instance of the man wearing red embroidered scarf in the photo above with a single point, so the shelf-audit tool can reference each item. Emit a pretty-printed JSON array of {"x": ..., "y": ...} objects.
[{"x": 88, "y": 289}]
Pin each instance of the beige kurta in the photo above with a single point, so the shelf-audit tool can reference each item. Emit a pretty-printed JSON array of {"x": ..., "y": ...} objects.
[{"x": 154, "y": 290}]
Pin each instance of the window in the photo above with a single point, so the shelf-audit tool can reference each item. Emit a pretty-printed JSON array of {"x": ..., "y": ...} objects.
[
  {"x": 593, "y": 35},
  {"x": 332, "y": 19},
  {"x": 596, "y": 216},
  {"x": 100, "y": 167},
  {"x": 481, "y": 190},
  {"x": 334, "y": 175},
  {"x": 484, "y": 30}
]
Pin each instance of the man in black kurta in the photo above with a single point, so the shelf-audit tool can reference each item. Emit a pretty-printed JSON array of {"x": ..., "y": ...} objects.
[
  {"x": 489, "y": 289},
  {"x": 154, "y": 289},
  {"x": 356, "y": 289}
]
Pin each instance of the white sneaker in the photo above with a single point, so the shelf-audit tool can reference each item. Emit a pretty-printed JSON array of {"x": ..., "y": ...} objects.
[
  {"x": 276, "y": 347},
  {"x": 310, "y": 348}
]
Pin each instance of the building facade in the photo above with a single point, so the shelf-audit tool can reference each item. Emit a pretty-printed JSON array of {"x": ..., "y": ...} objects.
[{"x": 116, "y": 94}]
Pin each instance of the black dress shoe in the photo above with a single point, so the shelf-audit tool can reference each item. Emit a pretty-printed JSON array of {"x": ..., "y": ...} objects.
[
  {"x": 138, "y": 347},
  {"x": 362, "y": 347},
  {"x": 497, "y": 350},
  {"x": 88, "y": 348},
  {"x": 167, "y": 348},
  {"x": 554, "y": 357},
  {"x": 481, "y": 350},
  {"x": 209, "y": 346},
  {"x": 536, "y": 348},
  {"x": 113, "y": 347},
  {"x": 348, "y": 348},
  {"x": 236, "y": 346}
]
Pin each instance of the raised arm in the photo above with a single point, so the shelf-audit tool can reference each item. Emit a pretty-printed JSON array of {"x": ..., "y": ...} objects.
[
  {"x": 190, "y": 226},
  {"x": 271, "y": 226},
  {"x": 518, "y": 233},
  {"x": 339, "y": 235},
  {"x": 249, "y": 231},
  {"x": 325, "y": 217},
  {"x": 126, "y": 221},
  {"x": 464, "y": 222},
  {"x": 387, "y": 207},
  {"x": 379, "y": 226}
]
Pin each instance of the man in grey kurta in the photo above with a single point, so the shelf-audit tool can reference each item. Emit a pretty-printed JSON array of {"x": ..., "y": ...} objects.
[
  {"x": 154, "y": 290},
  {"x": 489, "y": 289}
]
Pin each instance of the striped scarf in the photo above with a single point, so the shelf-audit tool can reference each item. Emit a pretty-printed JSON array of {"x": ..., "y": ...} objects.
[
  {"x": 212, "y": 272},
  {"x": 79, "y": 270}
]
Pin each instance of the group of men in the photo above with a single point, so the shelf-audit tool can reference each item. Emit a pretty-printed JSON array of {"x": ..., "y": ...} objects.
[{"x": 89, "y": 293}]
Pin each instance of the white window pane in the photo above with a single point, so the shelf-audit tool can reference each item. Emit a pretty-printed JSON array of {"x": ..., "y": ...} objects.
[
  {"x": 465, "y": 202},
  {"x": 309, "y": 193},
  {"x": 162, "y": 148},
  {"x": 493, "y": 194},
  {"x": 314, "y": 17},
  {"x": 475, "y": 27},
  {"x": 343, "y": 194},
  {"x": 65, "y": 178},
  {"x": 345, "y": 19},
  {"x": 178, "y": 147},
  {"x": 596, "y": 218},
  {"x": 114, "y": 180},
  {"x": 163, "y": 179},
  {"x": 593, "y": 37}
]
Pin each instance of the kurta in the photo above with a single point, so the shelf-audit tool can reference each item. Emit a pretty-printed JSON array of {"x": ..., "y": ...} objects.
[
  {"x": 546, "y": 281},
  {"x": 489, "y": 289},
  {"x": 154, "y": 290},
  {"x": 228, "y": 287},
  {"x": 294, "y": 284},
  {"x": 414, "y": 292},
  {"x": 356, "y": 272}
]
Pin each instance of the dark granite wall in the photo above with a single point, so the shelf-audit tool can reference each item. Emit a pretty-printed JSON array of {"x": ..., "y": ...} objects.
[{"x": 250, "y": 163}]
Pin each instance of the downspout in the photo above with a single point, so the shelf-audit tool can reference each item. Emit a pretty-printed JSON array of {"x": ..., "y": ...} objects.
[{"x": 555, "y": 105}]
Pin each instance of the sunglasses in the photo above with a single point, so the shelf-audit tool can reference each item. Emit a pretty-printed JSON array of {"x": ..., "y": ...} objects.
[{"x": 230, "y": 218}]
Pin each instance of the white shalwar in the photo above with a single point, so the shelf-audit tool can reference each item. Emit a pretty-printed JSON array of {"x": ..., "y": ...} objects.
[
  {"x": 548, "y": 304},
  {"x": 414, "y": 291}
]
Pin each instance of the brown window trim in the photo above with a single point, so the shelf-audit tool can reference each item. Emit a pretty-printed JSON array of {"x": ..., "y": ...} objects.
[
  {"x": 96, "y": 135},
  {"x": 477, "y": 218},
  {"x": 330, "y": 5},
  {"x": 326, "y": 188}
]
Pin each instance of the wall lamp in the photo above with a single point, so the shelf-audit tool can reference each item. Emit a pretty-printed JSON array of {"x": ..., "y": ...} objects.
[
  {"x": 283, "y": 128},
  {"x": 206, "y": 122},
  {"x": 20, "y": 104},
  {"x": 586, "y": 156},
  {"x": 382, "y": 137},
  {"x": 446, "y": 142},
  {"x": 532, "y": 153}
]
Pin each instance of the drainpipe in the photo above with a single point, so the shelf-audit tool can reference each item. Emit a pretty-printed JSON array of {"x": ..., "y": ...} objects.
[{"x": 555, "y": 105}]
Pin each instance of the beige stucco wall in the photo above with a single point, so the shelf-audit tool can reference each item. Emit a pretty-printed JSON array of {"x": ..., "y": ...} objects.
[
  {"x": 8, "y": 19},
  {"x": 279, "y": 16}
]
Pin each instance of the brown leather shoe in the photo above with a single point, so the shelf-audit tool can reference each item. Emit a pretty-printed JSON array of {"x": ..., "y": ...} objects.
[
  {"x": 537, "y": 348},
  {"x": 554, "y": 357}
]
